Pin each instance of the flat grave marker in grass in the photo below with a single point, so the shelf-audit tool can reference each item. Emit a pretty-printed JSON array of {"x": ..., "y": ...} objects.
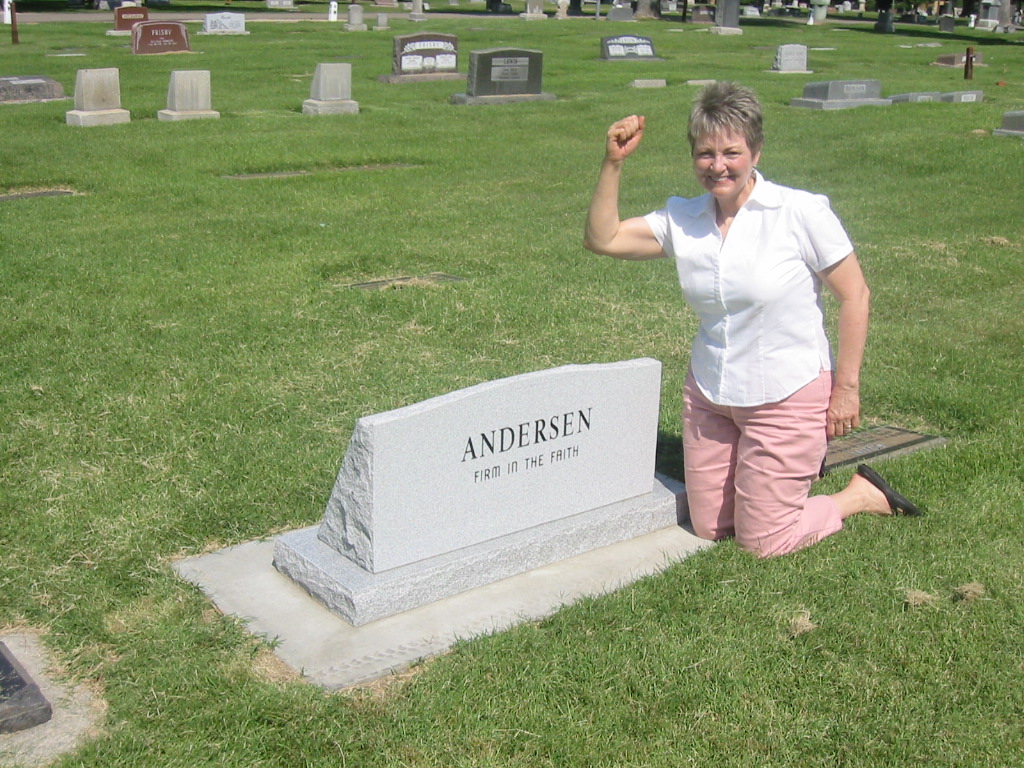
[
  {"x": 28, "y": 88},
  {"x": 877, "y": 442},
  {"x": 472, "y": 487}
]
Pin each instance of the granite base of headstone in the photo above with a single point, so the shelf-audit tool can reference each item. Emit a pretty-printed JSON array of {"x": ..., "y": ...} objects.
[
  {"x": 331, "y": 91},
  {"x": 628, "y": 48},
  {"x": 962, "y": 97},
  {"x": 22, "y": 704},
  {"x": 188, "y": 97},
  {"x": 126, "y": 17},
  {"x": 841, "y": 94},
  {"x": 224, "y": 24},
  {"x": 355, "y": 21},
  {"x": 424, "y": 56},
  {"x": 29, "y": 88},
  {"x": 1012, "y": 125},
  {"x": 482, "y": 484},
  {"x": 502, "y": 76},
  {"x": 791, "y": 59},
  {"x": 97, "y": 99},
  {"x": 915, "y": 97}
]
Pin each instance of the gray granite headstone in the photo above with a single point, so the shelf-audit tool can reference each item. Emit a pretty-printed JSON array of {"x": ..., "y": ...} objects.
[
  {"x": 498, "y": 75},
  {"x": 424, "y": 56},
  {"x": 22, "y": 704},
  {"x": 963, "y": 97},
  {"x": 97, "y": 98},
  {"x": 477, "y": 485},
  {"x": 841, "y": 94},
  {"x": 628, "y": 47},
  {"x": 947, "y": 23},
  {"x": 791, "y": 58},
  {"x": 355, "y": 19},
  {"x": 188, "y": 97},
  {"x": 331, "y": 91},
  {"x": 727, "y": 18},
  {"x": 25, "y": 88},
  {"x": 1012, "y": 125},
  {"x": 224, "y": 24},
  {"x": 914, "y": 97}
]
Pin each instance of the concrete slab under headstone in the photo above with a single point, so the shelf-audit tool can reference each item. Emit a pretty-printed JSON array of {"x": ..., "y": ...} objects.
[
  {"x": 29, "y": 88},
  {"x": 76, "y": 714},
  {"x": 22, "y": 704},
  {"x": 875, "y": 443},
  {"x": 328, "y": 651},
  {"x": 841, "y": 94},
  {"x": 1012, "y": 125}
]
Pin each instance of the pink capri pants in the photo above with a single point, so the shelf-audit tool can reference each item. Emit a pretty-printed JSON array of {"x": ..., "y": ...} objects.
[{"x": 749, "y": 470}]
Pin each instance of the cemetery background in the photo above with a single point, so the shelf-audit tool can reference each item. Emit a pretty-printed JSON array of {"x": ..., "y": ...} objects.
[{"x": 185, "y": 357}]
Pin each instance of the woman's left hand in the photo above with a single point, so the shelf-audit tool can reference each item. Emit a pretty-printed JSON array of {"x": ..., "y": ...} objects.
[{"x": 843, "y": 411}]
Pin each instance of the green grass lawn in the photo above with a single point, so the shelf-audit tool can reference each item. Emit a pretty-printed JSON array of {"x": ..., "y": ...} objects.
[{"x": 184, "y": 358}]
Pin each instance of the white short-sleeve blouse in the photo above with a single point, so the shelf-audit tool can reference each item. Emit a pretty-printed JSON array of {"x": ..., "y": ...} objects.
[{"x": 757, "y": 294}]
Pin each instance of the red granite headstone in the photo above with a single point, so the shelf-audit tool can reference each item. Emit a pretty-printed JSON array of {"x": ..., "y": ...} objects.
[
  {"x": 160, "y": 37},
  {"x": 126, "y": 18}
]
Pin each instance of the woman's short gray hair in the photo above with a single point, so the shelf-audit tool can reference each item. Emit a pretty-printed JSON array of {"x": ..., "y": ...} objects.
[{"x": 727, "y": 107}]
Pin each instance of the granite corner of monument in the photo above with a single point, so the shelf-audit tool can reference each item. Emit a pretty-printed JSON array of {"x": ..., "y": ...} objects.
[{"x": 472, "y": 487}]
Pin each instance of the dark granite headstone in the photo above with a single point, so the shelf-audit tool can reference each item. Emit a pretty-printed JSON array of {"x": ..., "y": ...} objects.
[
  {"x": 875, "y": 443},
  {"x": 632, "y": 47},
  {"x": 727, "y": 13},
  {"x": 841, "y": 94},
  {"x": 160, "y": 37},
  {"x": 1012, "y": 125},
  {"x": 425, "y": 56},
  {"x": 22, "y": 704},
  {"x": 29, "y": 88},
  {"x": 504, "y": 74}
]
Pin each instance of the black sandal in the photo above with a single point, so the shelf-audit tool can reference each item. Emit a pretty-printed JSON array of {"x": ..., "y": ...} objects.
[{"x": 899, "y": 504}]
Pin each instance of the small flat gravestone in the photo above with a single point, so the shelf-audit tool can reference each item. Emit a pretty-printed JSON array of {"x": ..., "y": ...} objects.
[
  {"x": 424, "y": 56},
  {"x": 472, "y": 487},
  {"x": 154, "y": 37},
  {"x": 963, "y": 97},
  {"x": 504, "y": 75},
  {"x": 97, "y": 98},
  {"x": 188, "y": 97},
  {"x": 841, "y": 94},
  {"x": 1012, "y": 125},
  {"x": 627, "y": 48},
  {"x": 915, "y": 97},
  {"x": 29, "y": 88},
  {"x": 224, "y": 24},
  {"x": 127, "y": 17},
  {"x": 958, "y": 60},
  {"x": 22, "y": 704},
  {"x": 791, "y": 59},
  {"x": 877, "y": 442},
  {"x": 331, "y": 91}
]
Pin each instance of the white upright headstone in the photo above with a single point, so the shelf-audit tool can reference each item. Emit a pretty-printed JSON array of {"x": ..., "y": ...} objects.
[
  {"x": 477, "y": 485},
  {"x": 332, "y": 11},
  {"x": 331, "y": 91},
  {"x": 188, "y": 97},
  {"x": 97, "y": 98}
]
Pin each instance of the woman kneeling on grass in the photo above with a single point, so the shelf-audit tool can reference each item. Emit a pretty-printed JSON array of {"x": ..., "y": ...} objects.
[{"x": 764, "y": 394}]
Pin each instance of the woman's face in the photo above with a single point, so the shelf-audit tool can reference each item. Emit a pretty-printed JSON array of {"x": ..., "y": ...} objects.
[{"x": 724, "y": 165}]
